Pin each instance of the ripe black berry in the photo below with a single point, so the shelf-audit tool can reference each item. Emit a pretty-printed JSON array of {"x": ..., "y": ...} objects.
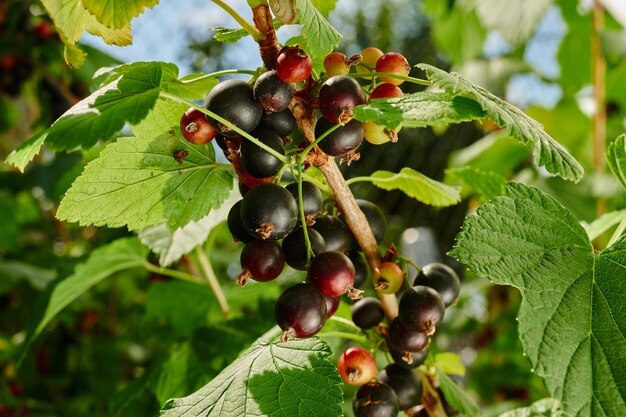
[
  {"x": 311, "y": 199},
  {"x": 196, "y": 128},
  {"x": 272, "y": 93},
  {"x": 338, "y": 96},
  {"x": 409, "y": 360},
  {"x": 235, "y": 225},
  {"x": 360, "y": 267},
  {"x": 375, "y": 399},
  {"x": 404, "y": 339},
  {"x": 421, "y": 309},
  {"x": 269, "y": 211},
  {"x": 332, "y": 304},
  {"x": 367, "y": 313},
  {"x": 257, "y": 161},
  {"x": 356, "y": 366},
  {"x": 341, "y": 141},
  {"x": 332, "y": 273},
  {"x": 300, "y": 311},
  {"x": 335, "y": 232},
  {"x": 262, "y": 260},
  {"x": 293, "y": 65},
  {"x": 405, "y": 383},
  {"x": 282, "y": 122},
  {"x": 234, "y": 101},
  {"x": 443, "y": 279},
  {"x": 294, "y": 247},
  {"x": 375, "y": 218}
]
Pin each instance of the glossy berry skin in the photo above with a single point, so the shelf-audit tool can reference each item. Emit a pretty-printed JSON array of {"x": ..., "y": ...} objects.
[
  {"x": 294, "y": 247},
  {"x": 416, "y": 358},
  {"x": 403, "y": 339},
  {"x": 312, "y": 198},
  {"x": 338, "y": 96},
  {"x": 235, "y": 225},
  {"x": 234, "y": 101},
  {"x": 332, "y": 273},
  {"x": 368, "y": 63},
  {"x": 367, "y": 313},
  {"x": 332, "y": 304},
  {"x": 375, "y": 218},
  {"x": 377, "y": 134},
  {"x": 395, "y": 63},
  {"x": 257, "y": 161},
  {"x": 282, "y": 122},
  {"x": 421, "y": 308},
  {"x": 342, "y": 140},
  {"x": 360, "y": 267},
  {"x": 293, "y": 65},
  {"x": 269, "y": 211},
  {"x": 442, "y": 279},
  {"x": 196, "y": 128},
  {"x": 375, "y": 399},
  {"x": 272, "y": 93},
  {"x": 405, "y": 383},
  {"x": 356, "y": 366},
  {"x": 300, "y": 311},
  {"x": 335, "y": 232},
  {"x": 336, "y": 63},
  {"x": 263, "y": 259},
  {"x": 388, "y": 278},
  {"x": 386, "y": 90}
]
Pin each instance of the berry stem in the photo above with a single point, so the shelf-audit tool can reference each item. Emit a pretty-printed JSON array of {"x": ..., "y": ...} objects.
[
  {"x": 313, "y": 144},
  {"x": 217, "y": 74},
  {"x": 171, "y": 272},
  {"x": 345, "y": 322},
  {"x": 247, "y": 26},
  {"x": 307, "y": 240},
  {"x": 344, "y": 335},
  {"x": 391, "y": 75},
  {"x": 410, "y": 262},
  {"x": 209, "y": 275}
]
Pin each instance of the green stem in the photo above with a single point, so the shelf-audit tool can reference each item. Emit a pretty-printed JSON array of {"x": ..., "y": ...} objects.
[
  {"x": 312, "y": 145},
  {"x": 170, "y": 272},
  {"x": 366, "y": 179},
  {"x": 217, "y": 74},
  {"x": 345, "y": 322},
  {"x": 247, "y": 26},
  {"x": 307, "y": 240},
  {"x": 391, "y": 75},
  {"x": 410, "y": 262},
  {"x": 209, "y": 274},
  {"x": 618, "y": 232},
  {"x": 344, "y": 335},
  {"x": 225, "y": 122},
  {"x": 326, "y": 189}
]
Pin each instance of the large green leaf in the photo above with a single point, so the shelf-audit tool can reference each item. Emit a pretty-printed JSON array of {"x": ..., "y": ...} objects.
[
  {"x": 547, "y": 151},
  {"x": 271, "y": 378},
  {"x": 137, "y": 182},
  {"x": 117, "y": 13},
  {"x": 547, "y": 407},
  {"x": 321, "y": 38},
  {"x": 102, "y": 263},
  {"x": 571, "y": 321},
  {"x": 419, "y": 110},
  {"x": 616, "y": 158},
  {"x": 487, "y": 184}
]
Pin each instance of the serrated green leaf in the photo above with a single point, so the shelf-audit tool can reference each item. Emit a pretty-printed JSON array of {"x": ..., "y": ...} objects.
[
  {"x": 487, "y": 184},
  {"x": 449, "y": 363},
  {"x": 223, "y": 34},
  {"x": 321, "y": 38},
  {"x": 547, "y": 151},
  {"x": 164, "y": 117},
  {"x": 547, "y": 407},
  {"x": 117, "y": 13},
  {"x": 324, "y": 6},
  {"x": 102, "y": 263},
  {"x": 418, "y": 186},
  {"x": 571, "y": 320},
  {"x": 419, "y": 110},
  {"x": 74, "y": 56},
  {"x": 604, "y": 223},
  {"x": 137, "y": 182},
  {"x": 192, "y": 86},
  {"x": 27, "y": 151},
  {"x": 616, "y": 158},
  {"x": 271, "y": 378},
  {"x": 455, "y": 395}
]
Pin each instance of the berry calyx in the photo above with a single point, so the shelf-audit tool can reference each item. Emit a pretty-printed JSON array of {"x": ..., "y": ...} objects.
[
  {"x": 442, "y": 279},
  {"x": 386, "y": 90},
  {"x": 272, "y": 93},
  {"x": 388, "y": 278},
  {"x": 421, "y": 308},
  {"x": 196, "y": 128},
  {"x": 367, "y": 313},
  {"x": 269, "y": 211},
  {"x": 300, "y": 311},
  {"x": 338, "y": 96},
  {"x": 409, "y": 360},
  {"x": 375, "y": 399},
  {"x": 293, "y": 65},
  {"x": 262, "y": 260},
  {"x": 368, "y": 62},
  {"x": 336, "y": 63},
  {"x": 356, "y": 366},
  {"x": 333, "y": 274}
]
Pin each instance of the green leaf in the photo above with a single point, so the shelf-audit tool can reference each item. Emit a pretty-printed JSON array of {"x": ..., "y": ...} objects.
[
  {"x": 180, "y": 374},
  {"x": 74, "y": 56},
  {"x": 450, "y": 363},
  {"x": 418, "y": 186},
  {"x": 604, "y": 223},
  {"x": 616, "y": 158},
  {"x": 324, "y": 6},
  {"x": 223, "y": 34},
  {"x": 192, "y": 86},
  {"x": 102, "y": 263},
  {"x": 136, "y": 182},
  {"x": 117, "y": 13},
  {"x": 27, "y": 151},
  {"x": 321, "y": 38},
  {"x": 419, "y": 110},
  {"x": 547, "y": 151},
  {"x": 12, "y": 271},
  {"x": 575, "y": 59},
  {"x": 547, "y": 407},
  {"x": 487, "y": 184},
  {"x": 571, "y": 320},
  {"x": 455, "y": 395},
  {"x": 271, "y": 378}
]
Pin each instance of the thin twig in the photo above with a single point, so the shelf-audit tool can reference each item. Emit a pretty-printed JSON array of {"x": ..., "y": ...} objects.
[{"x": 209, "y": 275}]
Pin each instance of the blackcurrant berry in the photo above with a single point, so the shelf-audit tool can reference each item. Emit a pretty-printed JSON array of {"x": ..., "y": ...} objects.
[
  {"x": 335, "y": 232},
  {"x": 443, "y": 279},
  {"x": 235, "y": 225},
  {"x": 356, "y": 366},
  {"x": 257, "y": 161},
  {"x": 421, "y": 308},
  {"x": 368, "y": 63},
  {"x": 378, "y": 134},
  {"x": 336, "y": 63},
  {"x": 269, "y": 211},
  {"x": 388, "y": 278},
  {"x": 332, "y": 273},
  {"x": 367, "y": 313},
  {"x": 196, "y": 128},
  {"x": 404, "y": 339},
  {"x": 405, "y": 383},
  {"x": 293, "y": 65},
  {"x": 338, "y": 96},
  {"x": 360, "y": 267},
  {"x": 342, "y": 140},
  {"x": 375, "y": 218},
  {"x": 282, "y": 122},
  {"x": 386, "y": 90},
  {"x": 311, "y": 199},
  {"x": 409, "y": 360},
  {"x": 294, "y": 247},
  {"x": 234, "y": 101},
  {"x": 221, "y": 142},
  {"x": 261, "y": 260},
  {"x": 272, "y": 93},
  {"x": 395, "y": 63},
  {"x": 300, "y": 311},
  {"x": 332, "y": 304},
  {"x": 375, "y": 399}
]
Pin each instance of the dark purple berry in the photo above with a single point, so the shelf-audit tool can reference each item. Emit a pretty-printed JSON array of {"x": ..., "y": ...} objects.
[
  {"x": 443, "y": 279},
  {"x": 335, "y": 232},
  {"x": 405, "y": 383},
  {"x": 300, "y": 311},
  {"x": 269, "y": 211},
  {"x": 375, "y": 399},
  {"x": 338, "y": 97},
  {"x": 234, "y": 101},
  {"x": 282, "y": 122},
  {"x": 294, "y": 247},
  {"x": 360, "y": 267},
  {"x": 375, "y": 218},
  {"x": 332, "y": 304},
  {"x": 367, "y": 313},
  {"x": 311, "y": 199},
  {"x": 272, "y": 93},
  {"x": 403, "y": 339},
  {"x": 421, "y": 309},
  {"x": 409, "y": 360},
  {"x": 332, "y": 273},
  {"x": 342, "y": 140},
  {"x": 235, "y": 225},
  {"x": 257, "y": 161},
  {"x": 261, "y": 260}
]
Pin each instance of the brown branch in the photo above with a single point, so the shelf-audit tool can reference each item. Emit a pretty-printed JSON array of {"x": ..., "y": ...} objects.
[
  {"x": 430, "y": 397},
  {"x": 599, "y": 87},
  {"x": 268, "y": 46}
]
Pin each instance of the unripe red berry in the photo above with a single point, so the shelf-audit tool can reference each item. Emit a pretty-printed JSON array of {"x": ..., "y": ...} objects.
[
  {"x": 395, "y": 63},
  {"x": 336, "y": 63},
  {"x": 196, "y": 128},
  {"x": 293, "y": 65},
  {"x": 388, "y": 277},
  {"x": 386, "y": 90},
  {"x": 356, "y": 366}
]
